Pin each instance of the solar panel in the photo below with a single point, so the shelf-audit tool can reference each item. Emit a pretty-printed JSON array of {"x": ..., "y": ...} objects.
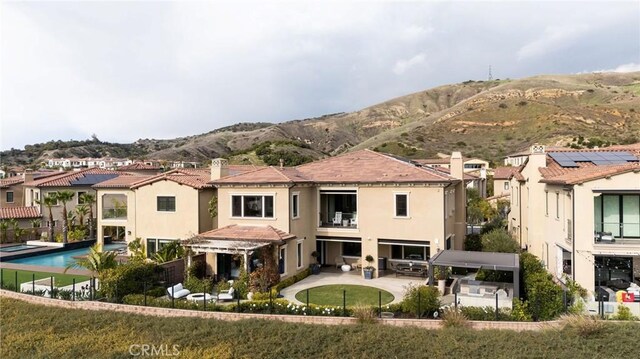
[
  {"x": 569, "y": 159},
  {"x": 91, "y": 179}
]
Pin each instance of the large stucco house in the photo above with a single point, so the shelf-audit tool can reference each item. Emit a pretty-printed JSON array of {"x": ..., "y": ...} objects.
[{"x": 579, "y": 212}]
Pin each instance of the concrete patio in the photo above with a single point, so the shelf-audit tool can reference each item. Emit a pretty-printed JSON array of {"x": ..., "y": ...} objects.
[{"x": 390, "y": 283}]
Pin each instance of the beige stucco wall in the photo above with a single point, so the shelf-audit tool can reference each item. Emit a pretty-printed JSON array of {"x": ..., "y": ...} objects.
[
  {"x": 18, "y": 197},
  {"x": 129, "y": 222},
  {"x": 281, "y": 207},
  {"x": 498, "y": 187},
  {"x": 30, "y": 194}
]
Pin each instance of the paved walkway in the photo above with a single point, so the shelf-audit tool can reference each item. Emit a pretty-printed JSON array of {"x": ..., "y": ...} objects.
[{"x": 390, "y": 283}]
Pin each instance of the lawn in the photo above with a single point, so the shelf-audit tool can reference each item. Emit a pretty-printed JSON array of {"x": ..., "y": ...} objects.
[
  {"x": 61, "y": 280},
  {"x": 356, "y": 294},
  {"x": 34, "y": 331}
]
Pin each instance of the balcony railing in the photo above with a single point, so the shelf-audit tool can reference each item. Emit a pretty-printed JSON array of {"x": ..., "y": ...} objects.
[
  {"x": 114, "y": 213},
  {"x": 342, "y": 221},
  {"x": 615, "y": 232}
]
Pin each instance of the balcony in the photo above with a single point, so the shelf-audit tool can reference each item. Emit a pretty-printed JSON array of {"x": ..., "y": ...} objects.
[
  {"x": 616, "y": 233},
  {"x": 114, "y": 206},
  {"x": 338, "y": 209}
]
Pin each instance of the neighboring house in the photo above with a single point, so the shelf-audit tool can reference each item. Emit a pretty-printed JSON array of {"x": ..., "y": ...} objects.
[
  {"x": 158, "y": 209},
  {"x": 24, "y": 217},
  {"x": 579, "y": 212},
  {"x": 475, "y": 168},
  {"x": 516, "y": 159},
  {"x": 344, "y": 207},
  {"x": 502, "y": 180},
  {"x": 12, "y": 189},
  {"x": 78, "y": 181},
  {"x": 141, "y": 169}
]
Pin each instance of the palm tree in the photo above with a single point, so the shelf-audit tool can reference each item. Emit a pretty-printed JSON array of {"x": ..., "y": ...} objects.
[
  {"x": 96, "y": 261},
  {"x": 82, "y": 210},
  {"x": 35, "y": 224},
  {"x": 88, "y": 199},
  {"x": 49, "y": 201},
  {"x": 64, "y": 197}
]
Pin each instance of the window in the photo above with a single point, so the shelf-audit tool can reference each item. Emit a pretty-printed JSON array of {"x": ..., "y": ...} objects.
[
  {"x": 350, "y": 249},
  {"x": 402, "y": 205},
  {"x": 9, "y": 197},
  {"x": 299, "y": 252},
  {"x": 618, "y": 214},
  {"x": 415, "y": 253},
  {"x": 252, "y": 206},
  {"x": 472, "y": 166},
  {"x": 506, "y": 186},
  {"x": 151, "y": 247},
  {"x": 557, "y": 205},
  {"x": 282, "y": 260},
  {"x": 546, "y": 203},
  {"x": 80, "y": 199},
  {"x": 295, "y": 205},
  {"x": 166, "y": 204},
  {"x": 114, "y": 206}
]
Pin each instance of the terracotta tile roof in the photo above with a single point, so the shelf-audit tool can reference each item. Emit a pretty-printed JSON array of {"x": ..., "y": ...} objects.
[
  {"x": 364, "y": 166},
  {"x": 6, "y": 182},
  {"x": 65, "y": 179},
  {"x": 447, "y": 171},
  {"x": 120, "y": 182},
  {"x": 237, "y": 169},
  {"x": 139, "y": 166},
  {"x": 504, "y": 173},
  {"x": 433, "y": 161},
  {"x": 247, "y": 233},
  {"x": 193, "y": 177},
  {"x": 19, "y": 212},
  {"x": 588, "y": 171}
]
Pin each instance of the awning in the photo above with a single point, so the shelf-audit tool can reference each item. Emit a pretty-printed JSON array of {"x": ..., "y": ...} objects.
[
  {"x": 397, "y": 242},
  {"x": 339, "y": 239},
  {"x": 226, "y": 246}
]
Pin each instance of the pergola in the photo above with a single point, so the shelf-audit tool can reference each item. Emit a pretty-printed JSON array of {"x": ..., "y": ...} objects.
[{"x": 509, "y": 262}]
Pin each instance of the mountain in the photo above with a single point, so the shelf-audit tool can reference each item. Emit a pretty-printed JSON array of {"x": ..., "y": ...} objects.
[{"x": 480, "y": 118}]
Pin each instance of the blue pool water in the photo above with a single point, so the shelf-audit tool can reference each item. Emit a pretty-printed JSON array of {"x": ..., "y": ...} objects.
[
  {"x": 17, "y": 248},
  {"x": 60, "y": 259}
]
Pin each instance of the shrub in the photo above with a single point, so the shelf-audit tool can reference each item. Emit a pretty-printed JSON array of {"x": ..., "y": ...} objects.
[
  {"x": 365, "y": 314},
  {"x": 486, "y": 313},
  {"x": 499, "y": 240},
  {"x": 578, "y": 307},
  {"x": 473, "y": 242},
  {"x": 502, "y": 105},
  {"x": 453, "y": 318},
  {"x": 429, "y": 300},
  {"x": 624, "y": 313},
  {"x": 520, "y": 311},
  {"x": 197, "y": 285},
  {"x": 583, "y": 325},
  {"x": 157, "y": 292},
  {"x": 544, "y": 296},
  {"x": 128, "y": 278}
]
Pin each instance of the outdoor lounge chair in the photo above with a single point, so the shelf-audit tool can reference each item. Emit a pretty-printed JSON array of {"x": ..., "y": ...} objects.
[
  {"x": 339, "y": 262},
  {"x": 226, "y": 294},
  {"x": 178, "y": 291},
  {"x": 337, "y": 219},
  {"x": 354, "y": 220}
]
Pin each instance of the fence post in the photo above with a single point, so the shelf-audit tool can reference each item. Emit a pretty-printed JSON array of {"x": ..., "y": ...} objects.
[
  {"x": 419, "y": 313},
  {"x": 270, "y": 302},
  {"x": 344, "y": 302},
  {"x": 91, "y": 288},
  {"x": 16, "y": 281},
  {"x": 144, "y": 290},
  {"x": 238, "y": 306},
  {"x": 204, "y": 300},
  {"x": 497, "y": 317},
  {"x": 73, "y": 289},
  {"x": 173, "y": 298},
  {"x": 33, "y": 283},
  {"x": 1, "y": 278},
  {"x": 455, "y": 300},
  {"x": 564, "y": 300},
  {"x": 379, "y": 304},
  {"x": 307, "y": 297},
  {"x": 51, "y": 295}
]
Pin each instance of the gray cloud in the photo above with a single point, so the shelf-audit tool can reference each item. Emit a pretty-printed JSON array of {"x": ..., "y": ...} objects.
[{"x": 140, "y": 70}]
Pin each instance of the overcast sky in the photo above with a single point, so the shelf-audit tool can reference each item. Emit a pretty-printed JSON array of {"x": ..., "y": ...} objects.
[{"x": 126, "y": 71}]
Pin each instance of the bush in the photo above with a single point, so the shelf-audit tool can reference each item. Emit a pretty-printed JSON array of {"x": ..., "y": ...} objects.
[
  {"x": 452, "y": 318},
  {"x": 583, "y": 325},
  {"x": 486, "y": 313},
  {"x": 499, "y": 240},
  {"x": 128, "y": 278},
  {"x": 429, "y": 300},
  {"x": 544, "y": 296},
  {"x": 196, "y": 285},
  {"x": 624, "y": 313},
  {"x": 473, "y": 242},
  {"x": 365, "y": 314},
  {"x": 157, "y": 292}
]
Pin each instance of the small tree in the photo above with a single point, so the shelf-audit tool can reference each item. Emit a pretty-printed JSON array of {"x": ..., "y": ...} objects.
[
  {"x": 64, "y": 197},
  {"x": 4, "y": 226},
  {"x": 268, "y": 275},
  {"x": 49, "y": 201},
  {"x": 97, "y": 261},
  {"x": 136, "y": 250},
  {"x": 35, "y": 224},
  {"x": 499, "y": 240},
  {"x": 17, "y": 231},
  {"x": 89, "y": 200},
  {"x": 428, "y": 302}
]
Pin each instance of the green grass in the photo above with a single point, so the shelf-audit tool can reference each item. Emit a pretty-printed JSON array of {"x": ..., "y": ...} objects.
[
  {"x": 34, "y": 331},
  {"x": 356, "y": 294},
  {"x": 61, "y": 280}
]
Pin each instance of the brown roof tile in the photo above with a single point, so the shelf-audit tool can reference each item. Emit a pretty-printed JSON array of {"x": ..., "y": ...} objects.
[
  {"x": 19, "y": 212},
  {"x": 504, "y": 173},
  {"x": 248, "y": 233},
  {"x": 196, "y": 178},
  {"x": 139, "y": 166}
]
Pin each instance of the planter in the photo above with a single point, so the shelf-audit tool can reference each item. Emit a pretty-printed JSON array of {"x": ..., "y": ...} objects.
[
  {"x": 442, "y": 285},
  {"x": 315, "y": 269},
  {"x": 368, "y": 273}
]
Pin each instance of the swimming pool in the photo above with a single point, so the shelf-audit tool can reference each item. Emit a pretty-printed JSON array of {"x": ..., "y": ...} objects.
[
  {"x": 17, "y": 248},
  {"x": 60, "y": 259}
]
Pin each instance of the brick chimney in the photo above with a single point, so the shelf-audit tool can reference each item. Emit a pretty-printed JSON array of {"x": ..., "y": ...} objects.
[
  {"x": 27, "y": 175},
  {"x": 457, "y": 167},
  {"x": 219, "y": 168}
]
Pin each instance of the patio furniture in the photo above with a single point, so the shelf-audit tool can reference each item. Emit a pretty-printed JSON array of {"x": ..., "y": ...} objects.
[
  {"x": 178, "y": 291},
  {"x": 346, "y": 268},
  {"x": 337, "y": 219},
  {"x": 416, "y": 270},
  {"x": 354, "y": 220},
  {"x": 227, "y": 294},
  {"x": 200, "y": 297},
  {"x": 339, "y": 262}
]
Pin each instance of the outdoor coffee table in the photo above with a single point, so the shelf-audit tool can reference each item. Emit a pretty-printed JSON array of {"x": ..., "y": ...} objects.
[{"x": 199, "y": 297}]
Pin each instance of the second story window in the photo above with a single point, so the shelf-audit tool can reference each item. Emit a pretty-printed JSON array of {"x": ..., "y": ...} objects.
[
  {"x": 506, "y": 186},
  {"x": 557, "y": 205},
  {"x": 166, "y": 204},
  {"x": 9, "y": 197},
  {"x": 402, "y": 205},
  {"x": 295, "y": 205},
  {"x": 252, "y": 206}
]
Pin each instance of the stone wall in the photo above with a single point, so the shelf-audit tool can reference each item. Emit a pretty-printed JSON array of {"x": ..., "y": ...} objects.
[{"x": 167, "y": 312}]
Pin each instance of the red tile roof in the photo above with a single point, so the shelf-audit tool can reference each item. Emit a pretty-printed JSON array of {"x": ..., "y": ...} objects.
[
  {"x": 139, "y": 166},
  {"x": 64, "y": 179},
  {"x": 19, "y": 213},
  {"x": 196, "y": 178},
  {"x": 504, "y": 173},
  {"x": 121, "y": 182},
  {"x": 364, "y": 166},
  {"x": 6, "y": 182},
  {"x": 248, "y": 233},
  {"x": 587, "y": 171},
  {"x": 447, "y": 171}
]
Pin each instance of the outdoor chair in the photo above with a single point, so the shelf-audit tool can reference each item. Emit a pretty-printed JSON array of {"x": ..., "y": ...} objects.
[
  {"x": 337, "y": 219},
  {"x": 227, "y": 294},
  {"x": 354, "y": 220},
  {"x": 178, "y": 291},
  {"x": 339, "y": 262}
]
